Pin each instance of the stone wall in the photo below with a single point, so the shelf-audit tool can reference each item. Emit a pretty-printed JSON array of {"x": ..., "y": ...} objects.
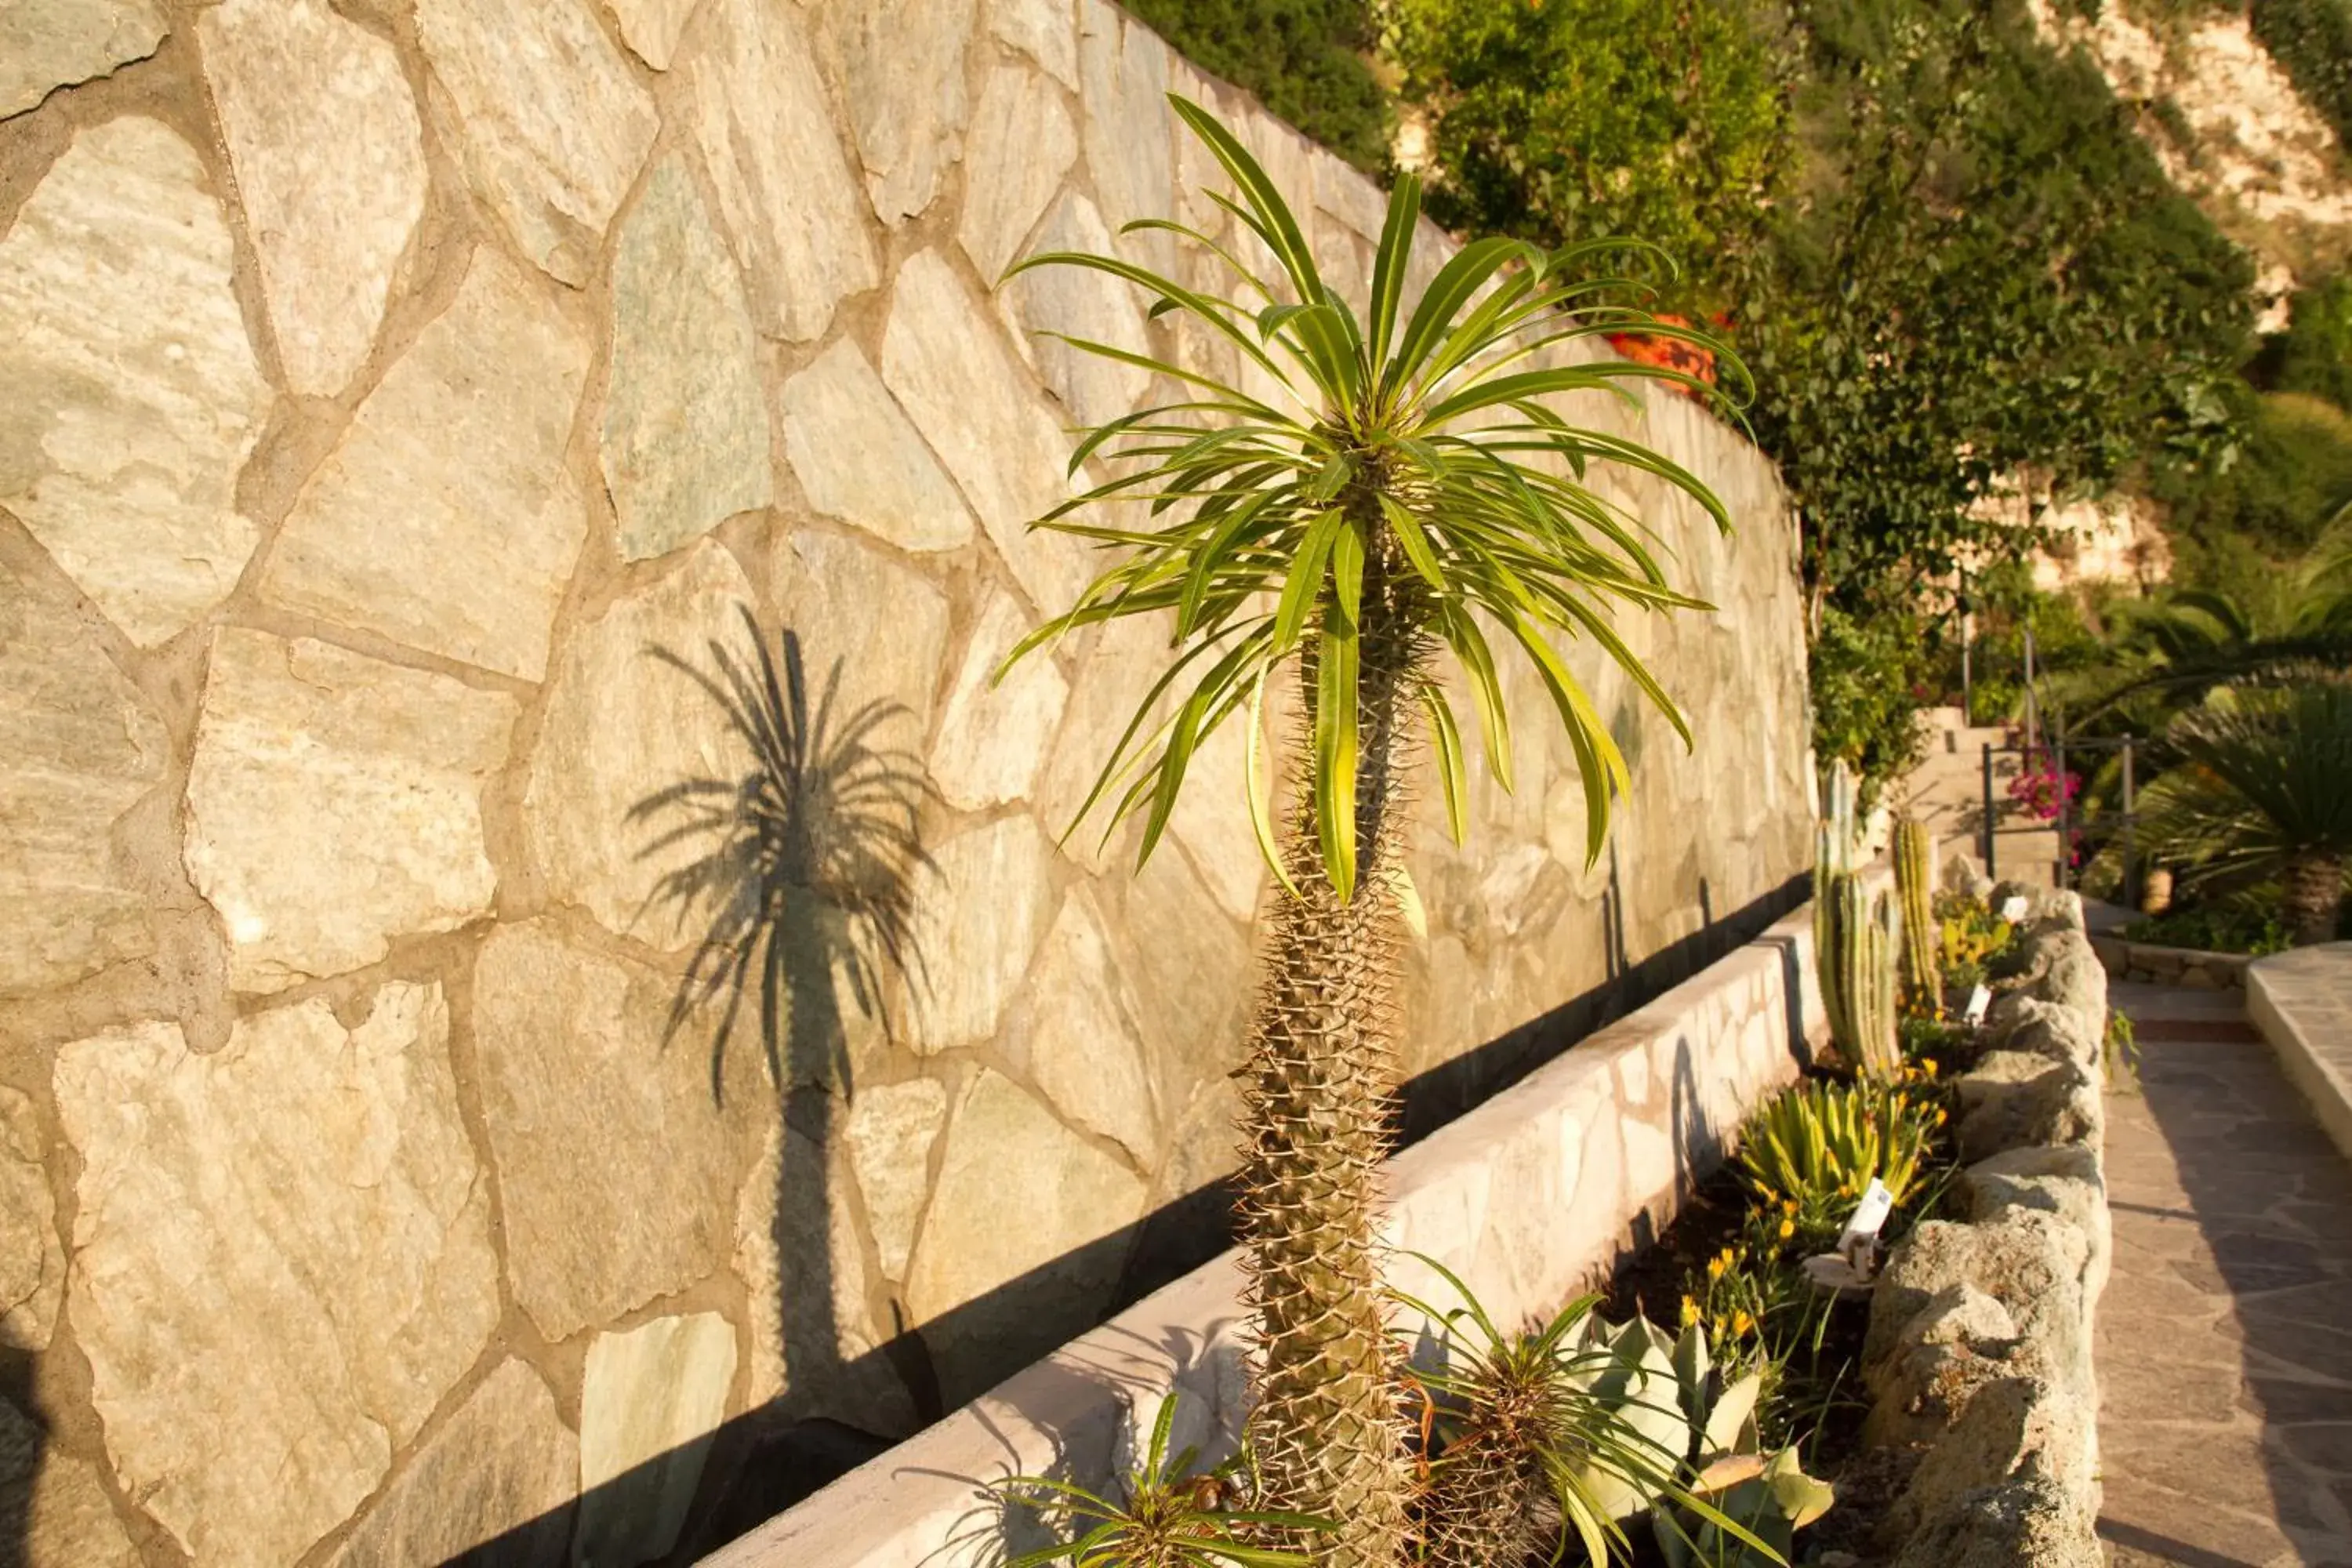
[
  {"x": 417, "y": 420},
  {"x": 1978, "y": 1357}
]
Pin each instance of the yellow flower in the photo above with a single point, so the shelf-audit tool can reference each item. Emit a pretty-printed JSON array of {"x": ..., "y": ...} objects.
[
  {"x": 1787, "y": 1228},
  {"x": 1939, "y": 1116},
  {"x": 1690, "y": 1311},
  {"x": 1927, "y": 1065},
  {"x": 1716, "y": 1266},
  {"x": 1740, "y": 1323}
]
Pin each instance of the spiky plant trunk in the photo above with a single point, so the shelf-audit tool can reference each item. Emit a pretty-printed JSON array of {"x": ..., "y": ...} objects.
[
  {"x": 1328, "y": 1427},
  {"x": 2313, "y": 892},
  {"x": 1915, "y": 885}
]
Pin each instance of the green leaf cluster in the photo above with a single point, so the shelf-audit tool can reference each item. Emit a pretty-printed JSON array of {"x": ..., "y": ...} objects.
[
  {"x": 1308, "y": 61},
  {"x": 1819, "y": 1146}
]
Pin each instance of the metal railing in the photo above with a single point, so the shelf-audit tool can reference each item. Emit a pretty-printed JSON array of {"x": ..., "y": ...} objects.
[{"x": 2068, "y": 821}]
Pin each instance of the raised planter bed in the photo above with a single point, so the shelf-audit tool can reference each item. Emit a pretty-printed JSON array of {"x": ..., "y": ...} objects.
[{"x": 1532, "y": 1197}]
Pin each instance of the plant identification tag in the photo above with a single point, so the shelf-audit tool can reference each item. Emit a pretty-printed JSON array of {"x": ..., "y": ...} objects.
[
  {"x": 1869, "y": 1215},
  {"x": 2012, "y": 909},
  {"x": 1979, "y": 1000}
]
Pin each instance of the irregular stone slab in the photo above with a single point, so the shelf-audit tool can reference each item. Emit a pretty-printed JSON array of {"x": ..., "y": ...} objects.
[
  {"x": 1081, "y": 303},
  {"x": 617, "y": 1163},
  {"x": 1211, "y": 816},
  {"x": 759, "y": 113},
  {"x": 651, "y": 27},
  {"x": 330, "y": 163},
  {"x": 32, "y": 1264},
  {"x": 686, "y": 429},
  {"x": 976, "y": 404},
  {"x": 1129, "y": 137},
  {"x": 889, "y": 1135},
  {"x": 134, "y": 399},
  {"x": 1041, "y": 29},
  {"x": 282, "y": 1259},
  {"x": 1073, "y": 1030},
  {"x": 553, "y": 126},
  {"x": 859, "y": 458},
  {"x": 335, "y": 803},
  {"x": 622, "y": 725},
  {"x": 2030, "y": 1519},
  {"x": 77, "y": 745},
  {"x": 995, "y": 735},
  {"x": 1021, "y": 144},
  {"x": 650, "y": 1405},
  {"x": 503, "y": 1468},
  {"x": 1005, "y": 1154},
  {"x": 445, "y": 518},
  {"x": 49, "y": 44},
  {"x": 899, "y": 64},
  {"x": 967, "y": 965},
  {"x": 53, "y": 1511},
  {"x": 829, "y": 588}
]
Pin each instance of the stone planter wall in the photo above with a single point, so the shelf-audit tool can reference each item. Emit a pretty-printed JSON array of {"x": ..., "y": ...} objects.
[
  {"x": 409, "y": 410},
  {"x": 2302, "y": 1003},
  {"x": 2189, "y": 966},
  {"x": 1531, "y": 1198},
  {"x": 1979, "y": 1356}
]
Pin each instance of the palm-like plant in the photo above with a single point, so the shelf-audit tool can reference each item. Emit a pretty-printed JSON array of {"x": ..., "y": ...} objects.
[
  {"x": 2264, "y": 784},
  {"x": 1428, "y": 496}
]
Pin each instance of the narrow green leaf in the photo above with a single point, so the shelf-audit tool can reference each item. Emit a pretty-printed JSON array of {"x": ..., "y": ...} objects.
[
  {"x": 1304, "y": 581},
  {"x": 1282, "y": 232},
  {"x": 1414, "y": 540},
  {"x": 1348, "y": 571},
  {"x": 1445, "y": 735},
  {"x": 1390, "y": 262},
  {"x": 1335, "y": 750}
]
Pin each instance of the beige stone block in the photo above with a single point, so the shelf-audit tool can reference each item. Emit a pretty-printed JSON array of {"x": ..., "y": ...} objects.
[
  {"x": 759, "y": 110},
  {"x": 53, "y": 1511},
  {"x": 993, "y": 732},
  {"x": 618, "y": 1155},
  {"x": 652, "y": 1399},
  {"x": 623, "y": 724},
  {"x": 1073, "y": 1030},
  {"x": 973, "y": 400},
  {"x": 503, "y": 1468},
  {"x": 860, "y": 460},
  {"x": 978, "y": 917},
  {"x": 78, "y": 745},
  {"x": 335, "y": 804},
  {"x": 1021, "y": 143},
  {"x": 1040, "y": 29},
  {"x": 134, "y": 395},
  {"x": 1065, "y": 302},
  {"x": 49, "y": 44},
  {"x": 445, "y": 518},
  {"x": 651, "y": 27},
  {"x": 281, "y": 1261},
  {"x": 32, "y": 1264},
  {"x": 900, "y": 68},
  {"x": 1006, "y": 1154},
  {"x": 829, "y": 587},
  {"x": 1129, "y": 134},
  {"x": 553, "y": 126},
  {"x": 1211, "y": 816},
  {"x": 330, "y": 163},
  {"x": 686, "y": 428},
  {"x": 889, "y": 1135}
]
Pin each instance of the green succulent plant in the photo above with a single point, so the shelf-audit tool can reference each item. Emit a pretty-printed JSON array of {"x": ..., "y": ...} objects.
[
  {"x": 1915, "y": 889},
  {"x": 1735, "y": 1506},
  {"x": 1417, "y": 489},
  {"x": 1819, "y": 1144}
]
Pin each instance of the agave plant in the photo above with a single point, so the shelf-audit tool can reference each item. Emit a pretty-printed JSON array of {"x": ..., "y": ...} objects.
[
  {"x": 1425, "y": 493},
  {"x": 2263, "y": 784}
]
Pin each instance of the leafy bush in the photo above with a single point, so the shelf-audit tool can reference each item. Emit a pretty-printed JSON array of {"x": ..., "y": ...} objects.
[
  {"x": 1304, "y": 59},
  {"x": 2293, "y": 473},
  {"x": 2314, "y": 353},
  {"x": 1569, "y": 119},
  {"x": 2312, "y": 39},
  {"x": 1865, "y": 673},
  {"x": 2229, "y": 926}
]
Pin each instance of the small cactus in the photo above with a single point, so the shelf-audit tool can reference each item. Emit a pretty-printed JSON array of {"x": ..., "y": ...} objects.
[
  {"x": 1915, "y": 858},
  {"x": 1853, "y": 941}
]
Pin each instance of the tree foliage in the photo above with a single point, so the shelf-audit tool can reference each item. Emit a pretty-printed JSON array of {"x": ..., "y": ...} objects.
[
  {"x": 1561, "y": 120},
  {"x": 1306, "y": 60},
  {"x": 2313, "y": 40}
]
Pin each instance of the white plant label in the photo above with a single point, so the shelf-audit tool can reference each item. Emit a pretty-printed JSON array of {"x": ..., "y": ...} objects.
[
  {"x": 2012, "y": 909},
  {"x": 1979, "y": 1000},
  {"x": 1869, "y": 1215}
]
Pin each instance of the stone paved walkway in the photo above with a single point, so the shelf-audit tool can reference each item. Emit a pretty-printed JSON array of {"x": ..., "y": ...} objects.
[{"x": 2225, "y": 1336}]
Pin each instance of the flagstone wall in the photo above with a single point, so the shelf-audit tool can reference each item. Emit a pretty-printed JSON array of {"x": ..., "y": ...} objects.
[{"x": 418, "y": 420}]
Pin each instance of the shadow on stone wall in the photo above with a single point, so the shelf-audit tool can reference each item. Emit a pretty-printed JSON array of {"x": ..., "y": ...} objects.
[{"x": 762, "y": 1462}]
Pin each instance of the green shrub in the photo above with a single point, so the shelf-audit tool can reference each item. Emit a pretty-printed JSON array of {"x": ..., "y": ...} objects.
[
  {"x": 2312, "y": 41},
  {"x": 2314, "y": 353},
  {"x": 1304, "y": 59},
  {"x": 2293, "y": 473},
  {"x": 2227, "y": 927}
]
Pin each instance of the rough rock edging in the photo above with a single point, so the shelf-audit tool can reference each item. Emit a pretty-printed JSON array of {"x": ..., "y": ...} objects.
[
  {"x": 1979, "y": 1356},
  {"x": 2198, "y": 968}
]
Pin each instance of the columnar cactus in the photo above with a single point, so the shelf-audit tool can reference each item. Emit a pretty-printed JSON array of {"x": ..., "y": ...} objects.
[
  {"x": 1853, "y": 942},
  {"x": 1915, "y": 858}
]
